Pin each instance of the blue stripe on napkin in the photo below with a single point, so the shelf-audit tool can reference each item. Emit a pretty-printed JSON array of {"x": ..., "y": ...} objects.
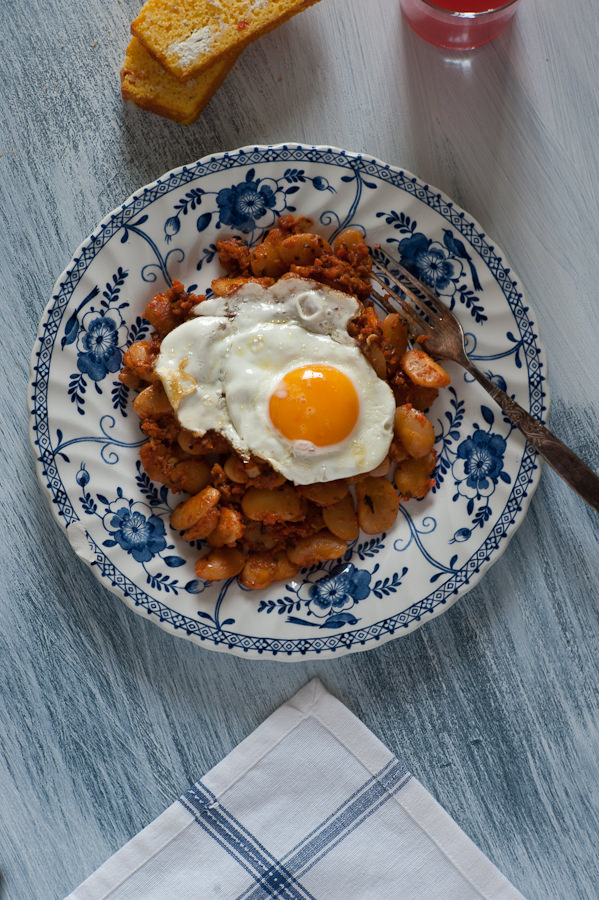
[{"x": 275, "y": 877}]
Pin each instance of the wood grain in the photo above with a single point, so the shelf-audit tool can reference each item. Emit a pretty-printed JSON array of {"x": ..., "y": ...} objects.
[{"x": 494, "y": 706}]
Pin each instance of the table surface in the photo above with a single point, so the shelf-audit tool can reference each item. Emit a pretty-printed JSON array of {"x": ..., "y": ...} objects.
[{"x": 493, "y": 706}]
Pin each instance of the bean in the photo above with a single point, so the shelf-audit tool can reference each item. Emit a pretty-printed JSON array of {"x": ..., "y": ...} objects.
[
  {"x": 325, "y": 493},
  {"x": 316, "y": 548},
  {"x": 152, "y": 402},
  {"x": 240, "y": 471},
  {"x": 159, "y": 313},
  {"x": 423, "y": 370},
  {"x": 378, "y": 504},
  {"x": 229, "y": 529},
  {"x": 152, "y": 463},
  {"x": 414, "y": 477},
  {"x": 282, "y": 504},
  {"x": 132, "y": 381},
  {"x": 189, "y": 511},
  {"x": 303, "y": 249},
  {"x": 203, "y": 527},
  {"x": 223, "y": 286},
  {"x": 234, "y": 469},
  {"x": 414, "y": 430},
  {"x": 301, "y": 225},
  {"x": 285, "y": 568},
  {"x": 139, "y": 359},
  {"x": 348, "y": 238},
  {"x": 190, "y": 442},
  {"x": 265, "y": 260},
  {"x": 261, "y": 569},
  {"x": 189, "y": 475},
  {"x": 255, "y": 535},
  {"x": 395, "y": 333},
  {"x": 268, "y": 479},
  {"x": 341, "y": 519},
  {"x": 397, "y": 451},
  {"x": 165, "y": 311},
  {"x": 376, "y": 356},
  {"x": 220, "y": 563}
]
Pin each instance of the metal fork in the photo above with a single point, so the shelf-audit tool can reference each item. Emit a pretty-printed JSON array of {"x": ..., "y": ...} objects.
[{"x": 436, "y": 328}]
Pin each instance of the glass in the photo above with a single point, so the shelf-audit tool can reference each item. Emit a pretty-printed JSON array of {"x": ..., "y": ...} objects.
[{"x": 458, "y": 24}]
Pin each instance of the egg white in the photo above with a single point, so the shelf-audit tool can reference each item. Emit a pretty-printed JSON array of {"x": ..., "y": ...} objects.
[{"x": 220, "y": 369}]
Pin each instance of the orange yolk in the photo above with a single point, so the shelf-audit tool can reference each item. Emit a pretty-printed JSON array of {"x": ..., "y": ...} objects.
[{"x": 315, "y": 403}]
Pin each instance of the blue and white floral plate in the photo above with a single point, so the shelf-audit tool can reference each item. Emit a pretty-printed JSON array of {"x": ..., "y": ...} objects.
[{"x": 86, "y": 436}]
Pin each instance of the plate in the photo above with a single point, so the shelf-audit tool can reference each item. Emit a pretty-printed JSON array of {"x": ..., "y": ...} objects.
[{"x": 86, "y": 436}]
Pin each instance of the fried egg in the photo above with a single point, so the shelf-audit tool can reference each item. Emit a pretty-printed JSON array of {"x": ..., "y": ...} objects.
[{"x": 275, "y": 371}]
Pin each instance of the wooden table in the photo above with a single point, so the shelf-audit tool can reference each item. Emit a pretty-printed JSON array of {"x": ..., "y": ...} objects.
[{"x": 105, "y": 719}]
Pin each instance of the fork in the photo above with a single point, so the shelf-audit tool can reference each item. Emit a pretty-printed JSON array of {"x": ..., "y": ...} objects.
[{"x": 433, "y": 326}]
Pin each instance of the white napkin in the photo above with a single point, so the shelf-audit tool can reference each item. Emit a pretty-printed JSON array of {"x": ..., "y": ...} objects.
[{"x": 311, "y": 806}]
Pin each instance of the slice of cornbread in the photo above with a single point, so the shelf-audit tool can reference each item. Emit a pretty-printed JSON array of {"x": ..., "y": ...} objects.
[
  {"x": 149, "y": 85},
  {"x": 189, "y": 36}
]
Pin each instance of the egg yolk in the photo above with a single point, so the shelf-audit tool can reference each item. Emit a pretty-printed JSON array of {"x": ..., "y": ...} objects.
[{"x": 315, "y": 403}]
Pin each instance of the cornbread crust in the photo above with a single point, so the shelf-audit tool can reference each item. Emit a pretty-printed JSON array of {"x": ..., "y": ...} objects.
[
  {"x": 150, "y": 86},
  {"x": 189, "y": 36}
]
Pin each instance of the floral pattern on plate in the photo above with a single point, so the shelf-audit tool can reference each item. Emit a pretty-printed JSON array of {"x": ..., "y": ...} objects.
[{"x": 86, "y": 441}]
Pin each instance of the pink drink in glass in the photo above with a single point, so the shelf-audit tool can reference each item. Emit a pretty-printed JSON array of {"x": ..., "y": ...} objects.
[{"x": 458, "y": 24}]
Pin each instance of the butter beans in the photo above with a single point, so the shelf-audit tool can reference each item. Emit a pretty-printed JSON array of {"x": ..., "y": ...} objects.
[
  {"x": 189, "y": 475},
  {"x": 190, "y": 442},
  {"x": 261, "y": 569},
  {"x": 229, "y": 529},
  {"x": 256, "y": 535},
  {"x": 350, "y": 237},
  {"x": 265, "y": 261},
  {"x": 139, "y": 358},
  {"x": 236, "y": 470},
  {"x": 220, "y": 563},
  {"x": 152, "y": 402},
  {"x": 282, "y": 504},
  {"x": 223, "y": 286},
  {"x": 341, "y": 519},
  {"x": 303, "y": 249},
  {"x": 189, "y": 511},
  {"x": 378, "y": 504},
  {"x": 203, "y": 527},
  {"x": 325, "y": 493},
  {"x": 316, "y": 548},
  {"x": 395, "y": 333},
  {"x": 414, "y": 477},
  {"x": 241, "y": 472},
  {"x": 423, "y": 370},
  {"x": 376, "y": 356},
  {"x": 414, "y": 430}
]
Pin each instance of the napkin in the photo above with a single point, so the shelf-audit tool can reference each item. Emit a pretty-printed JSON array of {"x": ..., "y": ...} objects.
[{"x": 311, "y": 806}]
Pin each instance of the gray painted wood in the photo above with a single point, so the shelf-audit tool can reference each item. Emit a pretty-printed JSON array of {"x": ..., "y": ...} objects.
[{"x": 105, "y": 719}]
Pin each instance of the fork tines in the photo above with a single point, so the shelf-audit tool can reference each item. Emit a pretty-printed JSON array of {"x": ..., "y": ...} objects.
[{"x": 420, "y": 314}]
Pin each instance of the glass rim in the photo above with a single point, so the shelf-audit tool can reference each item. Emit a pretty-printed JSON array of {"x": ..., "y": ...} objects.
[{"x": 470, "y": 15}]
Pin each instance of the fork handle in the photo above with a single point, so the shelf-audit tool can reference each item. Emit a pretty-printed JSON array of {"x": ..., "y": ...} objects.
[{"x": 572, "y": 469}]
